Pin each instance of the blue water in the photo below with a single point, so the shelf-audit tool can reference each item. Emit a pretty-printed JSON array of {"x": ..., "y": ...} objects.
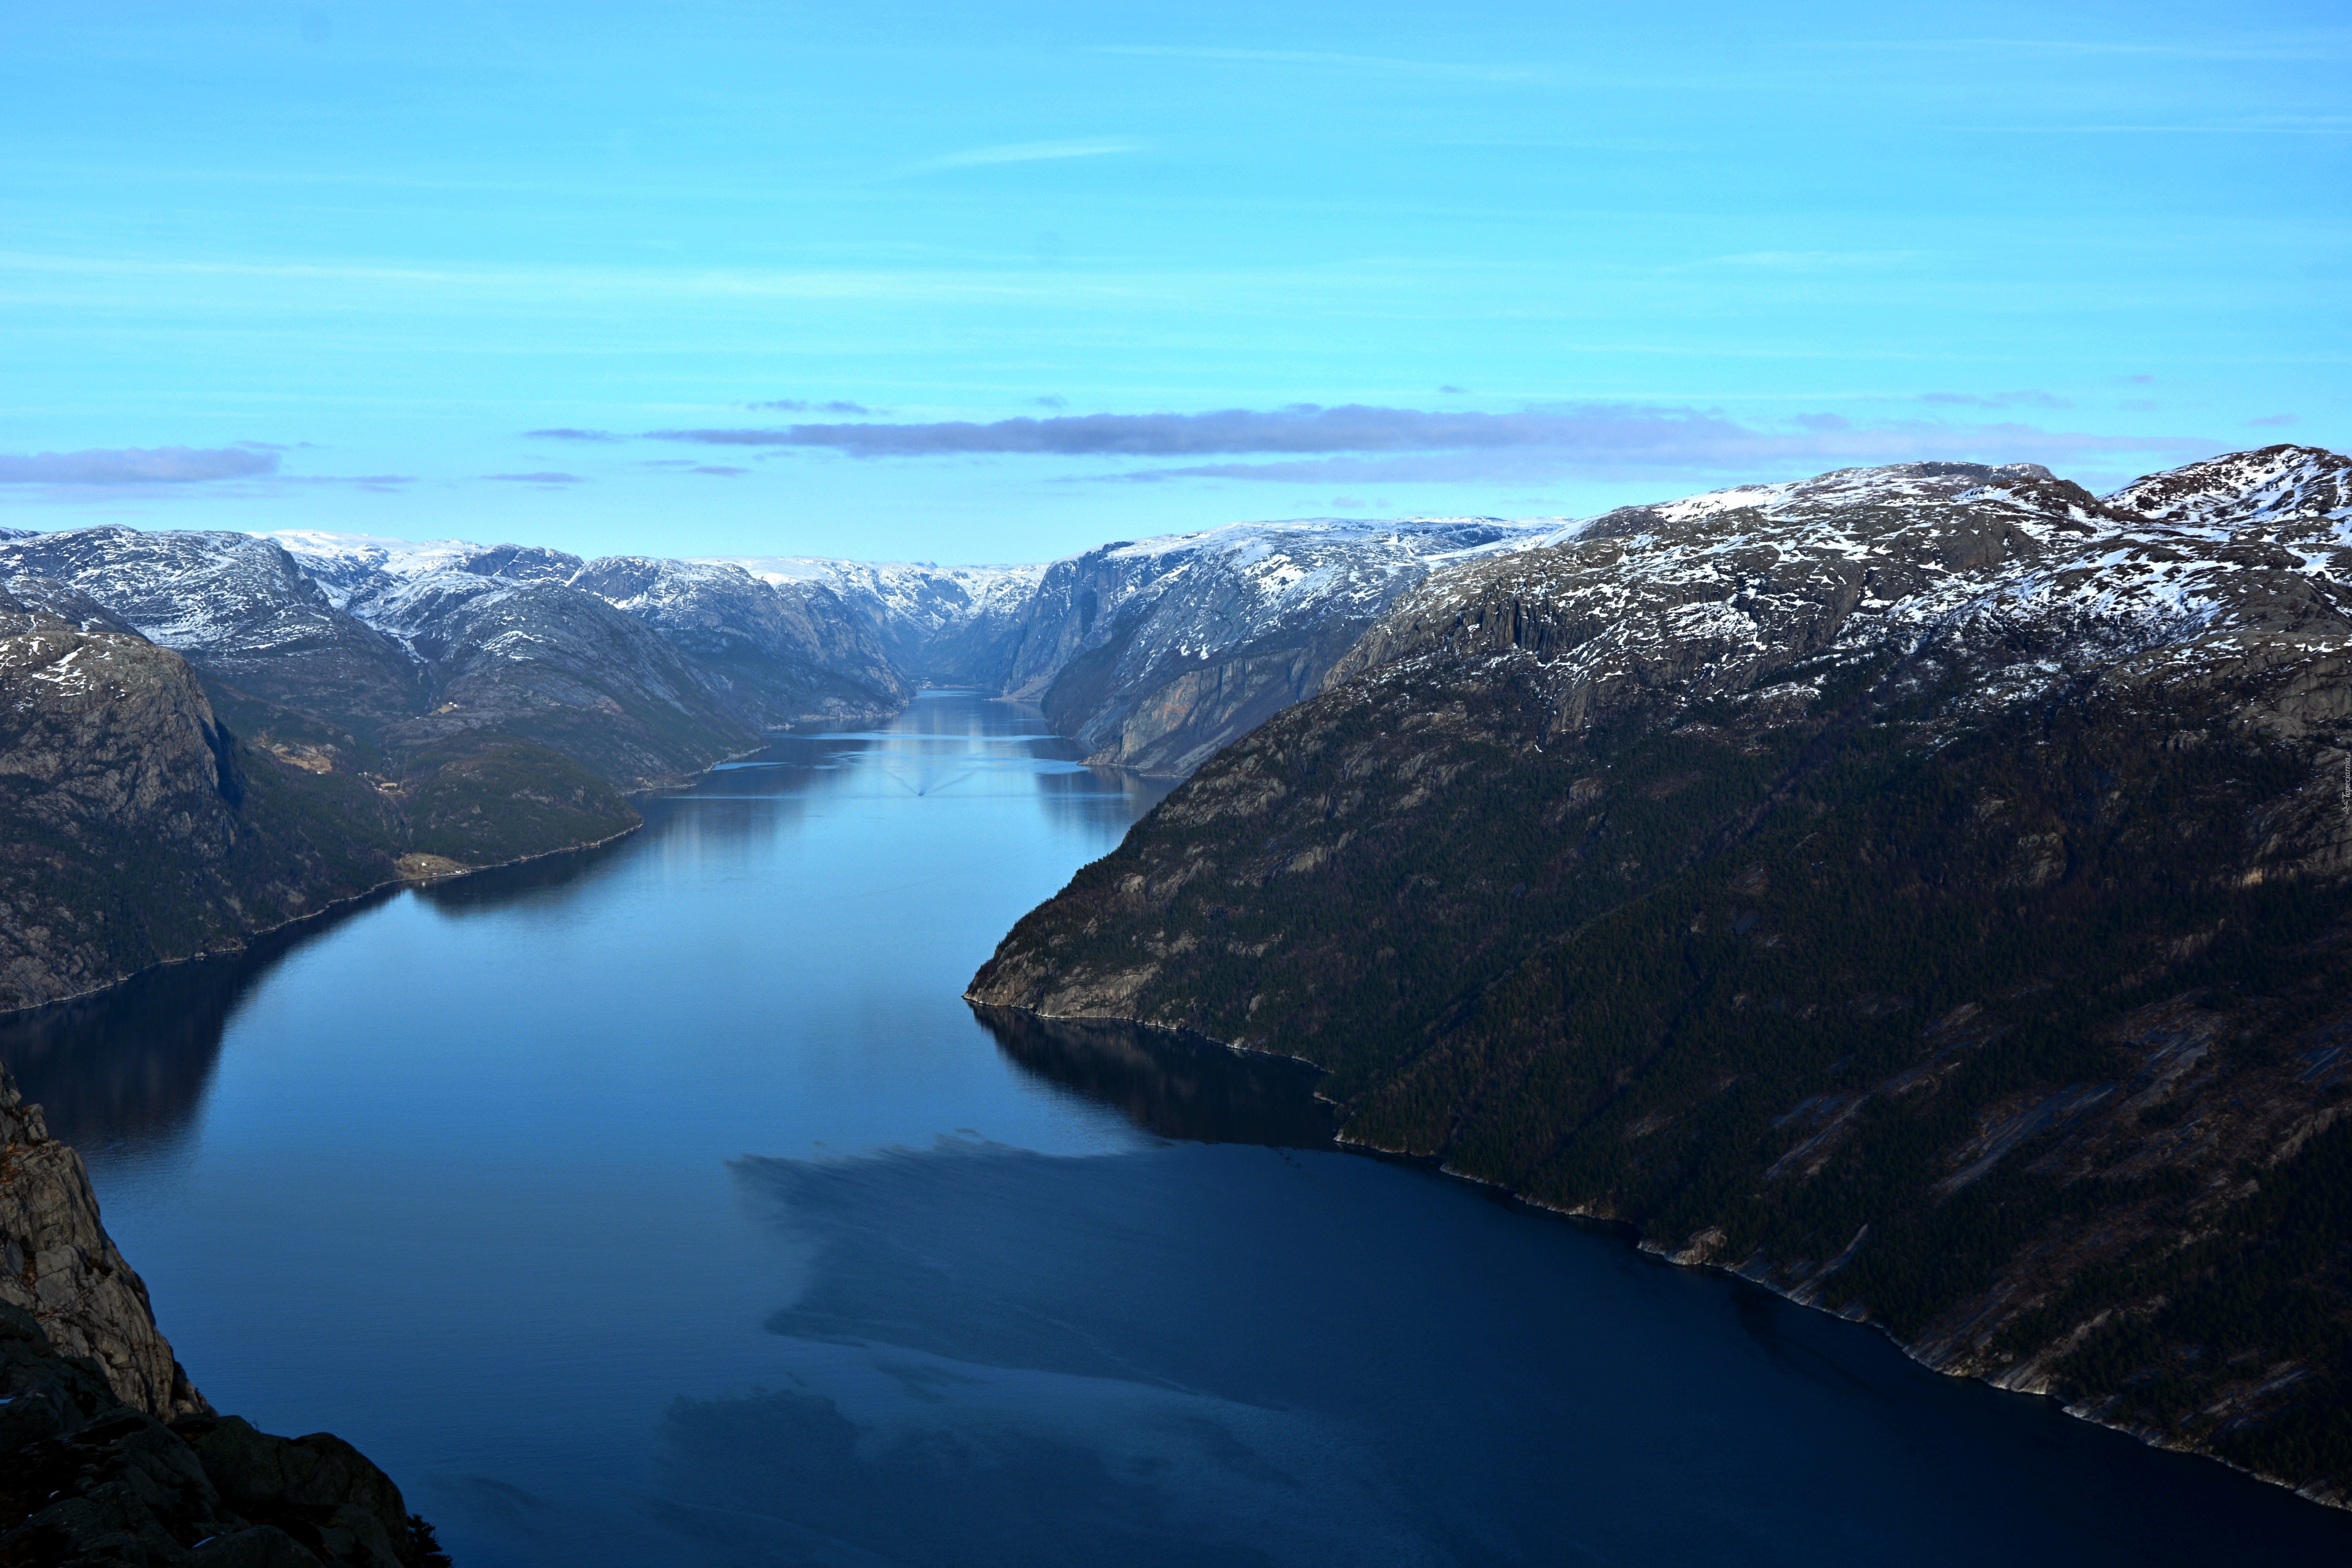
[{"x": 665, "y": 1205}]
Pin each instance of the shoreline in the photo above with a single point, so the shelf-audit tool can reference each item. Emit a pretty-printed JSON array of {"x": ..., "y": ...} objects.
[
  {"x": 435, "y": 877},
  {"x": 1644, "y": 1244}
]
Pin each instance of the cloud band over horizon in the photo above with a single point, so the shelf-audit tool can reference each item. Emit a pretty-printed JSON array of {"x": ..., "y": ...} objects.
[
  {"x": 136, "y": 466},
  {"x": 1365, "y": 442}
]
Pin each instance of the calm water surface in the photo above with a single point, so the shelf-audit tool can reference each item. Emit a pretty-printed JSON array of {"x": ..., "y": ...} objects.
[{"x": 665, "y": 1205}]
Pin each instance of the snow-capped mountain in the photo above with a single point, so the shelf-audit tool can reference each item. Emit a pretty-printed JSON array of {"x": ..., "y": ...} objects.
[
  {"x": 776, "y": 653},
  {"x": 941, "y": 625},
  {"x": 1958, "y": 565},
  {"x": 1925, "y": 891},
  {"x": 1154, "y": 653},
  {"x": 784, "y": 651},
  {"x": 238, "y": 607}
]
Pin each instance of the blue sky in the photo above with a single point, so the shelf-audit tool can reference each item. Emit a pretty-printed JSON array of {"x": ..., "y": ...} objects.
[{"x": 779, "y": 278}]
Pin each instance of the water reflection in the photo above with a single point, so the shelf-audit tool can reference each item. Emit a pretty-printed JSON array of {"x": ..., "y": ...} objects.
[
  {"x": 125, "y": 1069},
  {"x": 1174, "y": 1085},
  {"x": 125, "y": 1073}
]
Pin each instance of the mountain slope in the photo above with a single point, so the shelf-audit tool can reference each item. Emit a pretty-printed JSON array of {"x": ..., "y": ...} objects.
[
  {"x": 1152, "y": 655},
  {"x": 781, "y": 653},
  {"x": 1924, "y": 890},
  {"x": 140, "y": 828},
  {"x": 240, "y": 609},
  {"x": 939, "y": 626}
]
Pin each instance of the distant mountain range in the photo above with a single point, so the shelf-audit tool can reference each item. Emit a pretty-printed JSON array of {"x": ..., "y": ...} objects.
[{"x": 1924, "y": 890}]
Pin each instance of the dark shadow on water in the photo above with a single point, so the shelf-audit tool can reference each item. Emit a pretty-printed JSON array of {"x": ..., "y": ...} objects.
[
  {"x": 130, "y": 1066},
  {"x": 1174, "y": 1085}
]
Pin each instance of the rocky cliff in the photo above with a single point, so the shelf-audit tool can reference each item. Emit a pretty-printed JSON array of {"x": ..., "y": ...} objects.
[
  {"x": 939, "y": 626},
  {"x": 1922, "y": 891},
  {"x": 108, "y": 1455},
  {"x": 140, "y": 828},
  {"x": 781, "y": 653},
  {"x": 1152, "y": 655}
]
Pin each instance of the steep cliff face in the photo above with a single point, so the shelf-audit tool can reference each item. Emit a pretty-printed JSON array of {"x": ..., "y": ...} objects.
[
  {"x": 781, "y": 653},
  {"x": 1153, "y": 655},
  {"x": 58, "y": 1264},
  {"x": 939, "y": 626},
  {"x": 1926, "y": 892},
  {"x": 239, "y": 608},
  {"x": 108, "y": 1455},
  {"x": 555, "y": 666},
  {"x": 138, "y": 828}
]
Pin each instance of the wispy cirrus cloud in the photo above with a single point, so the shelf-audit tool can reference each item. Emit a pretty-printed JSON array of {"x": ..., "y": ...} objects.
[
  {"x": 137, "y": 465},
  {"x": 1325, "y": 60},
  {"x": 549, "y": 476},
  {"x": 565, "y": 432},
  {"x": 801, "y": 406},
  {"x": 1023, "y": 153}
]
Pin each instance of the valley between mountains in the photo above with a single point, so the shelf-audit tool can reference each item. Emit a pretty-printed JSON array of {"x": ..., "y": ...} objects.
[{"x": 1925, "y": 891}]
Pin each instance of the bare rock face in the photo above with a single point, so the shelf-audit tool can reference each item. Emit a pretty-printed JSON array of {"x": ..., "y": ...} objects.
[
  {"x": 1152, "y": 655},
  {"x": 58, "y": 1263},
  {"x": 780, "y": 652},
  {"x": 1926, "y": 891},
  {"x": 237, "y": 607},
  {"x": 108, "y": 1457},
  {"x": 139, "y": 830}
]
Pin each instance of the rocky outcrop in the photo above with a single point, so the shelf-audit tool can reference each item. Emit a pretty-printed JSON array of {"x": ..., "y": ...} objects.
[
  {"x": 1926, "y": 892},
  {"x": 107, "y": 1455},
  {"x": 58, "y": 1265}
]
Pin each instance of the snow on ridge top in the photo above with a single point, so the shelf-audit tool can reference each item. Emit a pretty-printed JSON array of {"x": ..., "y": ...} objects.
[
  {"x": 1890, "y": 482},
  {"x": 415, "y": 555},
  {"x": 2275, "y": 484},
  {"x": 1242, "y": 537},
  {"x": 830, "y": 569}
]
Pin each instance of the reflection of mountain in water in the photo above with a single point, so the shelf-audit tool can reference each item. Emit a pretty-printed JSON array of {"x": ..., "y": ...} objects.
[
  {"x": 1173, "y": 1085},
  {"x": 128, "y": 1066}
]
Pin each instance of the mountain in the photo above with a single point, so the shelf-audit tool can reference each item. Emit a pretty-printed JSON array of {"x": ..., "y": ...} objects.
[
  {"x": 939, "y": 625},
  {"x": 140, "y": 829},
  {"x": 1154, "y": 654},
  {"x": 1926, "y": 891},
  {"x": 541, "y": 661},
  {"x": 244, "y": 612},
  {"x": 781, "y": 653},
  {"x": 108, "y": 1454},
  {"x": 773, "y": 654}
]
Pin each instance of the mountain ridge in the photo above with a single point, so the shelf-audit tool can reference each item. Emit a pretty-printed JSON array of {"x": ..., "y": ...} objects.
[{"x": 1921, "y": 890}]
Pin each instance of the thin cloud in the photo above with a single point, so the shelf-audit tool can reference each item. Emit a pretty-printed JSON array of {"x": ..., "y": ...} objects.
[
  {"x": 2275, "y": 421},
  {"x": 135, "y": 466},
  {"x": 540, "y": 479},
  {"x": 797, "y": 406},
  {"x": 568, "y": 433},
  {"x": 1322, "y": 59},
  {"x": 1996, "y": 399},
  {"x": 1358, "y": 445},
  {"x": 1025, "y": 152},
  {"x": 717, "y": 470}
]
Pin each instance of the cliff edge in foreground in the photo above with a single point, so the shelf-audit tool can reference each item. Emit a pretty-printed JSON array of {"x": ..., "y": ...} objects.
[{"x": 108, "y": 1455}]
